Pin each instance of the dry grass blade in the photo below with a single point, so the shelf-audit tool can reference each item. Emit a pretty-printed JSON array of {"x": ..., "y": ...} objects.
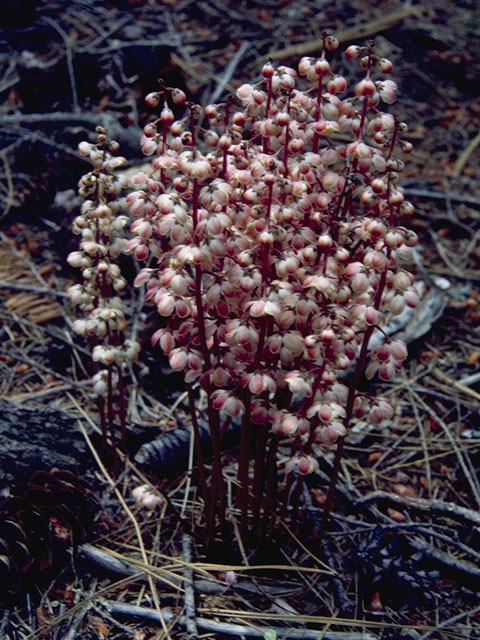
[
  {"x": 247, "y": 629},
  {"x": 471, "y": 479},
  {"x": 135, "y": 524},
  {"x": 31, "y": 302},
  {"x": 339, "y": 621}
]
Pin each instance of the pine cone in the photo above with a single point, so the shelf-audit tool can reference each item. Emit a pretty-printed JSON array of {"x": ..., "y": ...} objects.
[{"x": 50, "y": 513}]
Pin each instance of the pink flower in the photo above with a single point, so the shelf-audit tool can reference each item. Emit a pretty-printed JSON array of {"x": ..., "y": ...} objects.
[
  {"x": 178, "y": 359},
  {"x": 165, "y": 303},
  {"x": 144, "y": 496}
]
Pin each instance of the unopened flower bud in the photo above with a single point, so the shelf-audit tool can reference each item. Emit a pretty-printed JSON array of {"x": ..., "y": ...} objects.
[
  {"x": 332, "y": 43},
  {"x": 385, "y": 65},
  {"x": 365, "y": 88},
  {"x": 178, "y": 96},
  {"x": 152, "y": 99},
  {"x": 268, "y": 70},
  {"x": 352, "y": 52}
]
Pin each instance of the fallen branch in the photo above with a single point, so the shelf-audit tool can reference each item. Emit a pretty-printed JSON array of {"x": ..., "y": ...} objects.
[
  {"x": 122, "y": 567},
  {"x": 189, "y": 590},
  {"x": 364, "y": 30},
  {"x": 445, "y": 559},
  {"x": 150, "y": 615},
  {"x": 441, "y": 195},
  {"x": 447, "y": 509},
  {"x": 32, "y": 289}
]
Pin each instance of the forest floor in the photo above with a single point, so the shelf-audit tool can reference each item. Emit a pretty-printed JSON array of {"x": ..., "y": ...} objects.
[{"x": 401, "y": 557}]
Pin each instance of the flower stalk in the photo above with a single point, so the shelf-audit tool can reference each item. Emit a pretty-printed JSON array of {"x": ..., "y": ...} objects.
[{"x": 100, "y": 226}]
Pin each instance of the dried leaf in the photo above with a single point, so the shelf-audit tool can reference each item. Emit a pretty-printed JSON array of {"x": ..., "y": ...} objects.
[
  {"x": 396, "y": 516},
  {"x": 404, "y": 490}
]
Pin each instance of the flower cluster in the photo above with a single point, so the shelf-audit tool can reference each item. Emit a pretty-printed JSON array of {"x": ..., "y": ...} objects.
[
  {"x": 275, "y": 243},
  {"x": 100, "y": 226}
]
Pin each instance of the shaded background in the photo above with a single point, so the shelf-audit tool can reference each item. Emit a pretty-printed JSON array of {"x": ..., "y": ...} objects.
[{"x": 68, "y": 66}]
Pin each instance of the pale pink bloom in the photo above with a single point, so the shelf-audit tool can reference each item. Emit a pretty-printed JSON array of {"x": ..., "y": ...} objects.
[
  {"x": 201, "y": 169},
  {"x": 140, "y": 178},
  {"x": 293, "y": 342},
  {"x": 385, "y": 65},
  {"x": 289, "y": 424},
  {"x": 144, "y": 229},
  {"x": 165, "y": 303},
  {"x": 381, "y": 353},
  {"x": 80, "y": 327},
  {"x": 388, "y": 91},
  {"x": 371, "y": 369},
  {"x": 398, "y": 350},
  {"x": 352, "y": 51},
  {"x": 244, "y": 92},
  {"x": 165, "y": 203},
  {"x": 166, "y": 115},
  {"x": 165, "y": 338},
  {"x": 386, "y": 371},
  {"x": 329, "y": 180},
  {"x": 360, "y": 283},
  {"x": 412, "y": 297},
  {"x": 330, "y": 433},
  {"x": 365, "y": 88},
  {"x": 182, "y": 308},
  {"x": 224, "y": 401},
  {"x": 152, "y": 99},
  {"x": 230, "y": 576},
  {"x": 397, "y": 304},
  {"x": 297, "y": 384},
  {"x": 178, "y": 284},
  {"x": 149, "y": 147},
  {"x": 220, "y": 377},
  {"x": 306, "y": 465},
  {"x": 257, "y": 308},
  {"x": 257, "y": 384},
  {"x": 325, "y": 413},
  {"x": 195, "y": 360},
  {"x": 144, "y": 496},
  {"x": 337, "y": 84},
  {"x": 85, "y": 148},
  {"x": 372, "y": 316},
  {"x": 305, "y": 64},
  {"x": 393, "y": 239},
  {"x": 178, "y": 359}
]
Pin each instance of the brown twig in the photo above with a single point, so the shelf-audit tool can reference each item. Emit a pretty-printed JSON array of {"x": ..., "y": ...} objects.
[
  {"x": 117, "y": 608},
  {"x": 447, "y": 509},
  {"x": 364, "y": 30}
]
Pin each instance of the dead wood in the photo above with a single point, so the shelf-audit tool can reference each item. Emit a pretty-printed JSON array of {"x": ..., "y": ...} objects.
[{"x": 37, "y": 437}]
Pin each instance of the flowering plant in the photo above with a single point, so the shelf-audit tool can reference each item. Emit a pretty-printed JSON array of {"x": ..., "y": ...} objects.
[
  {"x": 274, "y": 248},
  {"x": 100, "y": 227}
]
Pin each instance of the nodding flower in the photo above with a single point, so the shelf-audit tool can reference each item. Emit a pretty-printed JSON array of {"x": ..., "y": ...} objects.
[{"x": 271, "y": 243}]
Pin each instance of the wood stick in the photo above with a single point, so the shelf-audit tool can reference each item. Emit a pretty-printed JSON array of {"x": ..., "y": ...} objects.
[
  {"x": 119, "y": 608},
  {"x": 363, "y": 30}
]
